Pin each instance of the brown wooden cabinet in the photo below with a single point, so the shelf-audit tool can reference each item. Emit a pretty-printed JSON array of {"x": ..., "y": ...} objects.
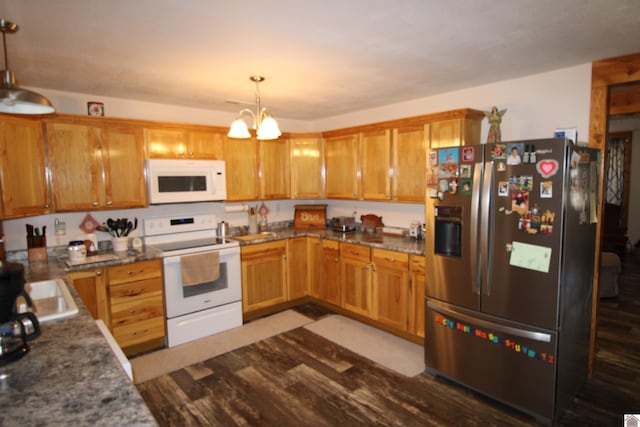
[
  {"x": 391, "y": 288},
  {"x": 241, "y": 157},
  {"x": 264, "y": 274},
  {"x": 417, "y": 296},
  {"x": 184, "y": 142},
  {"x": 297, "y": 267},
  {"x": 456, "y": 132},
  {"x": 375, "y": 164},
  {"x": 342, "y": 164},
  {"x": 136, "y": 299},
  {"x": 307, "y": 166},
  {"x": 273, "y": 172},
  {"x": 23, "y": 181},
  {"x": 92, "y": 289},
  {"x": 95, "y": 165},
  {"x": 355, "y": 278},
  {"x": 409, "y": 157}
]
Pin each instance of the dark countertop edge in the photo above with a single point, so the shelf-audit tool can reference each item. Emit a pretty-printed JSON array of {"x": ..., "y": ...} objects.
[{"x": 373, "y": 240}]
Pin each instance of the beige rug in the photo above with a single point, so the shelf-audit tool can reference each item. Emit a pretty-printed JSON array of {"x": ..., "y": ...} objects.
[
  {"x": 161, "y": 362},
  {"x": 388, "y": 350}
]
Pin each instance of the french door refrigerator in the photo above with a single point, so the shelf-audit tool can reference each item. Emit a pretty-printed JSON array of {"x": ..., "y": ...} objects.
[{"x": 509, "y": 243}]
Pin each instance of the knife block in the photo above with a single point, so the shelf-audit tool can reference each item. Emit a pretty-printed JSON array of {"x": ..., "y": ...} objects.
[{"x": 37, "y": 249}]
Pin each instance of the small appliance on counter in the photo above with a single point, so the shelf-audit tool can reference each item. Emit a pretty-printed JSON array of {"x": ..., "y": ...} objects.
[
  {"x": 15, "y": 328},
  {"x": 344, "y": 224}
]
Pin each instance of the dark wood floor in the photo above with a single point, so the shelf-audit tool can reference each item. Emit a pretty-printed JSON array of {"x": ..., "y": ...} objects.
[{"x": 300, "y": 379}]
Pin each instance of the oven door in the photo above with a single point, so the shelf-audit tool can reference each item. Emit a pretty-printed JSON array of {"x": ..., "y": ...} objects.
[{"x": 181, "y": 300}]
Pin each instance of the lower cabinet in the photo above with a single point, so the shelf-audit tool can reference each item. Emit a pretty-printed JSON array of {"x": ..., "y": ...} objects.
[
  {"x": 264, "y": 274},
  {"x": 129, "y": 298},
  {"x": 298, "y": 274},
  {"x": 391, "y": 288},
  {"x": 355, "y": 278},
  {"x": 330, "y": 288}
]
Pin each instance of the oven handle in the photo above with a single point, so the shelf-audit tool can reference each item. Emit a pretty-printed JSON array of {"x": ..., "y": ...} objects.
[{"x": 223, "y": 252}]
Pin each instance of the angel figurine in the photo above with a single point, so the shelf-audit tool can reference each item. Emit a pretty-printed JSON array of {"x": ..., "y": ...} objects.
[{"x": 495, "y": 118}]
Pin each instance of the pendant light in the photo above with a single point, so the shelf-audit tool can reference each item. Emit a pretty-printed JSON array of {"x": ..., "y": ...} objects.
[
  {"x": 13, "y": 99},
  {"x": 266, "y": 126}
]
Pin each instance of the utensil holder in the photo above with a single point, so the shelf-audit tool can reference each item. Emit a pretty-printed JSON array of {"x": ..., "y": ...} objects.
[{"x": 120, "y": 244}]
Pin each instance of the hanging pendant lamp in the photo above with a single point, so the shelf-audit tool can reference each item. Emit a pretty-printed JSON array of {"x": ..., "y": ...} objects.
[
  {"x": 13, "y": 99},
  {"x": 266, "y": 126}
]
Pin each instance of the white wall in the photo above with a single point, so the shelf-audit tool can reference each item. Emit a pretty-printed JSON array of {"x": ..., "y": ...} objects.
[{"x": 536, "y": 105}]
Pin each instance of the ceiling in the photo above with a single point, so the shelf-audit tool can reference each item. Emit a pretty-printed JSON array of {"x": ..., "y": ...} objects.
[{"x": 320, "y": 58}]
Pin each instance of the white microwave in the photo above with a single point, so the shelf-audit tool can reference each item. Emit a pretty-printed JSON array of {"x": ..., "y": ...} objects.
[{"x": 184, "y": 181}]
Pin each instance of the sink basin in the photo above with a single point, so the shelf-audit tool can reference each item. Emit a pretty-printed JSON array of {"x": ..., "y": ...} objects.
[
  {"x": 51, "y": 300},
  {"x": 259, "y": 236}
]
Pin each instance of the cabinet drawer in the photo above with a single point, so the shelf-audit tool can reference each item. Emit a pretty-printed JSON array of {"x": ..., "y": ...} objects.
[
  {"x": 134, "y": 271},
  {"x": 136, "y": 310},
  {"x": 331, "y": 244},
  {"x": 417, "y": 264},
  {"x": 390, "y": 259},
  {"x": 277, "y": 248},
  {"x": 135, "y": 290},
  {"x": 355, "y": 252},
  {"x": 139, "y": 332}
]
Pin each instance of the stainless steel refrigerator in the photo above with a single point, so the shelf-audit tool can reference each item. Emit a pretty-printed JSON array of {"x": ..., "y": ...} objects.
[{"x": 509, "y": 242}]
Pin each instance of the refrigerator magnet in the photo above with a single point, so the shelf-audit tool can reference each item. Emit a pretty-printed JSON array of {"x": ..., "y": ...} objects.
[
  {"x": 498, "y": 151},
  {"x": 468, "y": 154},
  {"x": 503, "y": 188},
  {"x": 547, "y": 168},
  {"x": 546, "y": 189},
  {"x": 466, "y": 186},
  {"x": 500, "y": 167}
]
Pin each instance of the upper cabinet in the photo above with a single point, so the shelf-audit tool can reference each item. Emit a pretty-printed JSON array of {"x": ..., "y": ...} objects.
[
  {"x": 375, "y": 164},
  {"x": 307, "y": 166},
  {"x": 409, "y": 156},
  {"x": 184, "y": 142},
  {"x": 463, "y": 130},
  {"x": 241, "y": 157},
  {"x": 95, "y": 164},
  {"x": 342, "y": 163},
  {"x": 273, "y": 161},
  {"x": 23, "y": 168}
]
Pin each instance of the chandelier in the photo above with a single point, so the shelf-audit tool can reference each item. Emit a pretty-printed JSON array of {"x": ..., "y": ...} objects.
[
  {"x": 13, "y": 99},
  {"x": 266, "y": 126}
]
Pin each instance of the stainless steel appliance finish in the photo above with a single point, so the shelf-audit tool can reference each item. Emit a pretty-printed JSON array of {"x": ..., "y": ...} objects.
[
  {"x": 196, "y": 311},
  {"x": 510, "y": 262}
]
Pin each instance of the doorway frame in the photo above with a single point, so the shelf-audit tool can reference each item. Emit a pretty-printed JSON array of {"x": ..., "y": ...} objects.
[{"x": 604, "y": 74}]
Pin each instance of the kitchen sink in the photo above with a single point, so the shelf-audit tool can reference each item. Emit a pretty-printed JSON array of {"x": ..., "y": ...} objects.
[
  {"x": 51, "y": 300},
  {"x": 249, "y": 237},
  {"x": 92, "y": 259}
]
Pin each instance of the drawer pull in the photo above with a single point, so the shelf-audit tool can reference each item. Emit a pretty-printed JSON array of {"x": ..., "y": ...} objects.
[
  {"x": 355, "y": 252},
  {"x": 390, "y": 259},
  {"x": 131, "y": 292},
  {"x": 133, "y": 272}
]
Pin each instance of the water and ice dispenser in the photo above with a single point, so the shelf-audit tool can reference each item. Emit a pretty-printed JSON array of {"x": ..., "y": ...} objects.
[{"x": 448, "y": 230}]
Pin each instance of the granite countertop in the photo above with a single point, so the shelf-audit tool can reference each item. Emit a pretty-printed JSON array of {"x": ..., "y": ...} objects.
[
  {"x": 70, "y": 376},
  {"x": 374, "y": 240}
]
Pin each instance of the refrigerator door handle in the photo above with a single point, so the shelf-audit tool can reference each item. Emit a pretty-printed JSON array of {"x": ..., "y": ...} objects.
[
  {"x": 476, "y": 193},
  {"x": 493, "y": 327},
  {"x": 486, "y": 226}
]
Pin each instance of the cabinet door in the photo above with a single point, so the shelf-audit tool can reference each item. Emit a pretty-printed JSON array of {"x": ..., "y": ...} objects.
[
  {"x": 297, "y": 267},
  {"x": 409, "y": 163},
  {"x": 446, "y": 133},
  {"x": 23, "y": 169},
  {"x": 391, "y": 287},
  {"x": 242, "y": 169},
  {"x": 123, "y": 162},
  {"x": 376, "y": 164},
  {"x": 330, "y": 289},
  {"x": 264, "y": 275},
  {"x": 166, "y": 143},
  {"x": 274, "y": 169},
  {"x": 355, "y": 278},
  {"x": 314, "y": 266},
  {"x": 92, "y": 289},
  {"x": 342, "y": 173},
  {"x": 307, "y": 169},
  {"x": 205, "y": 145},
  {"x": 416, "y": 297},
  {"x": 76, "y": 166}
]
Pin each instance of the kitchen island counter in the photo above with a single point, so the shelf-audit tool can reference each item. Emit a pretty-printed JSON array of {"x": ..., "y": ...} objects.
[{"x": 70, "y": 376}]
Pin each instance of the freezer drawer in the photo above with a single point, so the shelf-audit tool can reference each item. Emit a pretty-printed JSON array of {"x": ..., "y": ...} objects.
[{"x": 511, "y": 363}]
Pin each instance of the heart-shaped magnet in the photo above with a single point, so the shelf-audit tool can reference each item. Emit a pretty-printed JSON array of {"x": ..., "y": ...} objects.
[{"x": 547, "y": 168}]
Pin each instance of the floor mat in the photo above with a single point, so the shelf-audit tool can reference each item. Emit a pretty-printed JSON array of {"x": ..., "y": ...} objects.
[{"x": 388, "y": 350}]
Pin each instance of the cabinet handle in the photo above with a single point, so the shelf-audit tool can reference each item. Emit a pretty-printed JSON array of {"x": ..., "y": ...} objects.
[
  {"x": 131, "y": 292},
  {"x": 355, "y": 252},
  {"x": 98, "y": 273},
  {"x": 390, "y": 259},
  {"x": 133, "y": 272},
  {"x": 109, "y": 203},
  {"x": 190, "y": 154},
  {"x": 46, "y": 206},
  {"x": 95, "y": 203}
]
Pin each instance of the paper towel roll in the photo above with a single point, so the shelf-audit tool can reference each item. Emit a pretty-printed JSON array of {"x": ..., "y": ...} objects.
[{"x": 238, "y": 208}]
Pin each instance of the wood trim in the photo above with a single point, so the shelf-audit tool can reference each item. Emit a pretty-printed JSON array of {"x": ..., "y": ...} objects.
[
  {"x": 624, "y": 99},
  {"x": 604, "y": 74}
]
